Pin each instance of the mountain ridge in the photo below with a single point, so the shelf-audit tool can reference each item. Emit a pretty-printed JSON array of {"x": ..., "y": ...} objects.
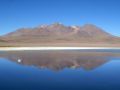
[
  {"x": 59, "y": 33},
  {"x": 56, "y": 27}
]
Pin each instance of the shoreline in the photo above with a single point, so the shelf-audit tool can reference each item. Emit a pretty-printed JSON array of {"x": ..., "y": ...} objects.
[{"x": 56, "y": 48}]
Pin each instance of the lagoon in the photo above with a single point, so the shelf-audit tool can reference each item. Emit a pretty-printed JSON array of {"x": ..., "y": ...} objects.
[{"x": 60, "y": 70}]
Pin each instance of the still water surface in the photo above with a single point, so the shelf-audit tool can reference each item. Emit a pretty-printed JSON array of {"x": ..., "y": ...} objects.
[{"x": 60, "y": 70}]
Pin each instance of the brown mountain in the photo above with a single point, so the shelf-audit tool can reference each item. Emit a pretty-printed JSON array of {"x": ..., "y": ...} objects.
[
  {"x": 59, "y": 34},
  {"x": 2, "y": 40}
]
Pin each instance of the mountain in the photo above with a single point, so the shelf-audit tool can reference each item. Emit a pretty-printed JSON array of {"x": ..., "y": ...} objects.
[
  {"x": 57, "y": 29},
  {"x": 58, "y": 33},
  {"x": 2, "y": 40}
]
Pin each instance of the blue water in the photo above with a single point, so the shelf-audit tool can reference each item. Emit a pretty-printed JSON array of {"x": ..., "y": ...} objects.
[{"x": 24, "y": 76}]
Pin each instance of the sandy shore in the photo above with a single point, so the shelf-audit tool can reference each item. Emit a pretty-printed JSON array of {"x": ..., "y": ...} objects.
[{"x": 55, "y": 48}]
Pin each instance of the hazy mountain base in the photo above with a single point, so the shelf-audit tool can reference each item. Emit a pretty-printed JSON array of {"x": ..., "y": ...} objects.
[
  {"x": 52, "y": 42},
  {"x": 58, "y": 45}
]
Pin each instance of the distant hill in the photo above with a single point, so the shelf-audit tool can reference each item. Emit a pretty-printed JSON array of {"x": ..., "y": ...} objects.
[{"x": 59, "y": 33}]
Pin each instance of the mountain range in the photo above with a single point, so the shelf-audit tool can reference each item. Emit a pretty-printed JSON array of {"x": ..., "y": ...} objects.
[{"x": 60, "y": 35}]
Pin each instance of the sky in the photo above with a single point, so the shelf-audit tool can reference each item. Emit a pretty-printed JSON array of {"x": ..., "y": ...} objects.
[{"x": 15, "y": 14}]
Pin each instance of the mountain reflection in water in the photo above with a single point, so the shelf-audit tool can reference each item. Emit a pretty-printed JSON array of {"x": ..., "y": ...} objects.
[{"x": 58, "y": 60}]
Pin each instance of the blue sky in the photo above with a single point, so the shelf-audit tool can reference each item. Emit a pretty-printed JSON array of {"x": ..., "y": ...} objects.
[{"x": 16, "y": 14}]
